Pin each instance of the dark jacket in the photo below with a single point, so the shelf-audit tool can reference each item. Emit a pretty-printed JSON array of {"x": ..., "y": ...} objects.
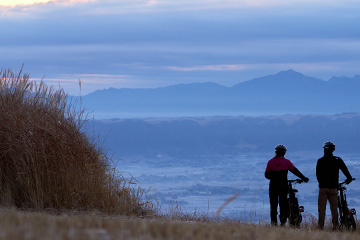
[{"x": 327, "y": 171}]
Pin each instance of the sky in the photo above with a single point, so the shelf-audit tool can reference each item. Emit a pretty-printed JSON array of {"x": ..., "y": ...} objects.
[{"x": 157, "y": 43}]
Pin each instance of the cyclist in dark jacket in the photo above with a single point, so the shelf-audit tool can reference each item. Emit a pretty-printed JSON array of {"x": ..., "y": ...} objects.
[
  {"x": 276, "y": 170},
  {"x": 327, "y": 174}
]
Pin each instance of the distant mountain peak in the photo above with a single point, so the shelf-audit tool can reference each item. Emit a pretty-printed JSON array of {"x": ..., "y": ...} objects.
[{"x": 290, "y": 73}]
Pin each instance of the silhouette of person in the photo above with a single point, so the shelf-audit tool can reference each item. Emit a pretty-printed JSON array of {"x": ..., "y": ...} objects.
[
  {"x": 327, "y": 174},
  {"x": 276, "y": 171}
]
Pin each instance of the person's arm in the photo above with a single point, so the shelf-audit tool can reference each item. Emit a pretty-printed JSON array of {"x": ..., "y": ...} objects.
[
  {"x": 297, "y": 173},
  {"x": 317, "y": 170},
  {"x": 345, "y": 171},
  {"x": 321, "y": 170},
  {"x": 268, "y": 174}
]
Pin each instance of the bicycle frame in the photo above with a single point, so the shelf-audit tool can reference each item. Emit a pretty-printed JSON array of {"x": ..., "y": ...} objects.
[
  {"x": 346, "y": 215},
  {"x": 294, "y": 209}
]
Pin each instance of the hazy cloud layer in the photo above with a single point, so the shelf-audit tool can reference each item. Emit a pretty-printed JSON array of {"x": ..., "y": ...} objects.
[{"x": 159, "y": 43}]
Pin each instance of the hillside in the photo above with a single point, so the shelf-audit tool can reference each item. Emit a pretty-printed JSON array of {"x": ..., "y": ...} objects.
[
  {"x": 286, "y": 92},
  {"x": 20, "y": 225},
  {"x": 47, "y": 161}
]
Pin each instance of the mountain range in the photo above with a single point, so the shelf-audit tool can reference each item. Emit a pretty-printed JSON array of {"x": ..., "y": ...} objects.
[
  {"x": 287, "y": 92},
  {"x": 227, "y": 135}
]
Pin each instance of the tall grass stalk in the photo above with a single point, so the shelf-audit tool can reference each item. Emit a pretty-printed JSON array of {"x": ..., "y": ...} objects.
[{"x": 47, "y": 160}]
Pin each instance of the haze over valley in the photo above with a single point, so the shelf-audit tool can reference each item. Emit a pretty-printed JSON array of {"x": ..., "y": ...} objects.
[{"x": 195, "y": 146}]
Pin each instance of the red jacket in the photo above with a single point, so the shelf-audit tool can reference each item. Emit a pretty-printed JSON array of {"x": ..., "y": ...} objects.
[{"x": 277, "y": 170}]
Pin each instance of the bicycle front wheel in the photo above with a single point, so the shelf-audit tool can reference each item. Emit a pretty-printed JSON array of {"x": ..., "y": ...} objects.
[{"x": 294, "y": 216}]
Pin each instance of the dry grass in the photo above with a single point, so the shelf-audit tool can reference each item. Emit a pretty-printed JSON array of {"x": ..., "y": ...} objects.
[
  {"x": 25, "y": 225},
  {"x": 47, "y": 160}
]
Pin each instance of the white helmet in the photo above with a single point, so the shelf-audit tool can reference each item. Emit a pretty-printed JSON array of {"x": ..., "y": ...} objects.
[{"x": 280, "y": 148}]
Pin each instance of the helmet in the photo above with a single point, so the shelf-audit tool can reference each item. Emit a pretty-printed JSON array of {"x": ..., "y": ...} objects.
[
  {"x": 329, "y": 145},
  {"x": 280, "y": 148}
]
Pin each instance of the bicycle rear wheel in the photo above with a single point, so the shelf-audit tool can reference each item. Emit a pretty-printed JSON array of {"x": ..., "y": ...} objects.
[{"x": 351, "y": 224}]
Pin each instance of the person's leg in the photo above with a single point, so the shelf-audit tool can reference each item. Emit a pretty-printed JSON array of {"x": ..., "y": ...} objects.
[
  {"x": 322, "y": 199},
  {"x": 284, "y": 207},
  {"x": 332, "y": 195},
  {"x": 273, "y": 206}
]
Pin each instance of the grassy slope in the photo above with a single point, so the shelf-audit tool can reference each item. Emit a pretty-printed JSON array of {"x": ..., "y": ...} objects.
[
  {"x": 47, "y": 160},
  {"x": 25, "y": 225}
]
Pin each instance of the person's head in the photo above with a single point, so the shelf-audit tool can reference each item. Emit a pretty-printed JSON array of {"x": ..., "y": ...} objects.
[
  {"x": 329, "y": 147},
  {"x": 280, "y": 150}
]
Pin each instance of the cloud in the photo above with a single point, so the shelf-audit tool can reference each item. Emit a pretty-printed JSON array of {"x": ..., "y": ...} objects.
[
  {"x": 235, "y": 74},
  {"x": 39, "y": 8},
  {"x": 147, "y": 43},
  {"x": 221, "y": 67},
  {"x": 21, "y": 2},
  {"x": 11, "y": 3},
  {"x": 306, "y": 66},
  {"x": 108, "y": 7},
  {"x": 89, "y": 82}
]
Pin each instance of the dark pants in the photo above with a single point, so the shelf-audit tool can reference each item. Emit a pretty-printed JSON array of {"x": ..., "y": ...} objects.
[{"x": 278, "y": 197}]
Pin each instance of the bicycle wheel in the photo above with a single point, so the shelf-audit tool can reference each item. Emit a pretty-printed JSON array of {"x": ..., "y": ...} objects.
[
  {"x": 351, "y": 224},
  {"x": 294, "y": 218},
  {"x": 342, "y": 218}
]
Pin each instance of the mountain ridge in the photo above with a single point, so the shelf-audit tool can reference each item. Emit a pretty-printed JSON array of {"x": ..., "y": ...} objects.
[
  {"x": 227, "y": 135},
  {"x": 281, "y": 93}
]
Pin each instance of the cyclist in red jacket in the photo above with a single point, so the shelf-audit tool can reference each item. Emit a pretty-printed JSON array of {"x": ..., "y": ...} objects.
[{"x": 277, "y": 170}]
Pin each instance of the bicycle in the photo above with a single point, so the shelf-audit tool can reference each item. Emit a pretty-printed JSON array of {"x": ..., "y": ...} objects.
[
  {"x": 346, "y": 215},
  {"x": 294, "y": 210}
]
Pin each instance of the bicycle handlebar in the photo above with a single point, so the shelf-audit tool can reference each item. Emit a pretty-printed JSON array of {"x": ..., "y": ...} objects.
[
  {"x": 296, "y": 180},
  {"x": 340, "y": 184}
]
